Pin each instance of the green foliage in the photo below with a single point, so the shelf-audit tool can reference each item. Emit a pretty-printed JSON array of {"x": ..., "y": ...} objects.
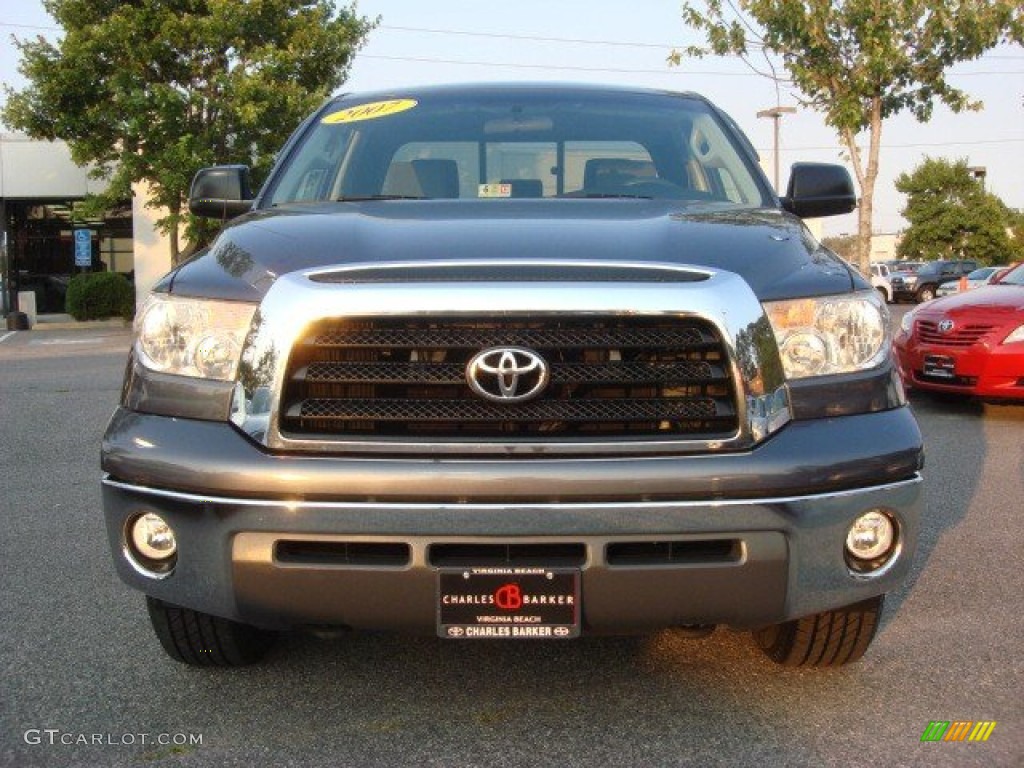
[
  {"x": 951, "y": 215},
  {"x": 860, "y": 61},
  {"x": 153, "y": 90},
  {"x": 842, "y": 55},
  {"x": 1016, "y": 233},
  {"x": 844, "y": 245},
  {"x": 99, "y": 295}
]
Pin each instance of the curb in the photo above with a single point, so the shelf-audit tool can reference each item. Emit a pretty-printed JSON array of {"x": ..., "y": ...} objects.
[{"x": 74, "y": 325}]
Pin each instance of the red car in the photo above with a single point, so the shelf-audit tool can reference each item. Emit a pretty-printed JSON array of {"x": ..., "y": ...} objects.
[{"x": 969, "y": 343}]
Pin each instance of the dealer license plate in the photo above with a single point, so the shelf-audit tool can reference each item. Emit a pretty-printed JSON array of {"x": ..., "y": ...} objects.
[
  {"x": 939, "y": 366},
  {"x": 508, "y": 603}
]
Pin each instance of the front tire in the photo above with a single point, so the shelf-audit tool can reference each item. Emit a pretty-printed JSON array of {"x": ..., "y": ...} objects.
[
  {"x": 202, "y": 640},
  {"x": 927, "y": 293},
  {"x": 829, "y": 639}
]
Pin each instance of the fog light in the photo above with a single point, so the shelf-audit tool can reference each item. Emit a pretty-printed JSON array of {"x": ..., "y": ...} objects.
[
  {"x": 871, "y": 536},
  {"x": 153, "y": 538}
]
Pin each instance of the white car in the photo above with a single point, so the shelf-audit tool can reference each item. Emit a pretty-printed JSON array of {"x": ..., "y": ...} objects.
[
  {"x": 880, "y": 280},
  {"x": 976, "y": 279}
]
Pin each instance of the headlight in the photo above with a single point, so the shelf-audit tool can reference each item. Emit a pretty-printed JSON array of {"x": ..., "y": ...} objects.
[
  {"x": 192, "y": 337},
  {"x": 1015, "y": 336},
  {"x": 907, "y": 322},
  {"x": 830, "y": 334}
]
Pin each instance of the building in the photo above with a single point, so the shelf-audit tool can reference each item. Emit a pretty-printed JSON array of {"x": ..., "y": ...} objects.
[
  {"x": 41, "y": 194},
  {"x": 883, "y": 246}
]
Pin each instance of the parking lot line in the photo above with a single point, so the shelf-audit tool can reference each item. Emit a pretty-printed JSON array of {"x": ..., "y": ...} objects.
[{"x": 6, "y": 336}]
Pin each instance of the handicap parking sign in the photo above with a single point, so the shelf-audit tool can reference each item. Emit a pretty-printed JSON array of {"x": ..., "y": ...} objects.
[{"x": 83, "y": 247}]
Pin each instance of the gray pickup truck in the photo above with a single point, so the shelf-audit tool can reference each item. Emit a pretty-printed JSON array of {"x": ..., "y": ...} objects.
[{"x": 514, "y": 361}]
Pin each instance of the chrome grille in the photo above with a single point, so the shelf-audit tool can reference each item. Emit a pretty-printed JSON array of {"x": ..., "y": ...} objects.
[
  {"x": 609, "y": 377},
  {"x": 959, "y": 336}
]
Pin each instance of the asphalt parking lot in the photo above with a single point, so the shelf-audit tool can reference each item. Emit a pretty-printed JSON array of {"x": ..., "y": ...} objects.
[{"x": 85, "y": 683}]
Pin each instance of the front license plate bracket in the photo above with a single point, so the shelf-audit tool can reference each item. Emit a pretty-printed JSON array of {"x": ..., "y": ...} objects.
[
  {"x": 939, "y": 366},
  {"x": 511, "y": 603}
]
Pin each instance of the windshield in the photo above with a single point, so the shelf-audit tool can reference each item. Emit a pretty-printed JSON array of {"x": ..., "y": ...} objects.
[{"x": 499, "y": 144}]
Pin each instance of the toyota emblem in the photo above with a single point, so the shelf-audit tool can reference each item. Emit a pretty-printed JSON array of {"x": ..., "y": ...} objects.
[
  {"x": 507, "y": 374},
  {"x": 945, "y": 326}
]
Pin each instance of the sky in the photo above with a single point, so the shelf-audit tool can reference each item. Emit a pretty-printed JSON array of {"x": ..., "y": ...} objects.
[{"x": 450, "y": 41}]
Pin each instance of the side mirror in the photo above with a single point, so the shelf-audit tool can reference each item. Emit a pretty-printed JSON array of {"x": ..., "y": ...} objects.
[
  {"x": 819, "y": 189},
  {"x": 221, "y": 192}
]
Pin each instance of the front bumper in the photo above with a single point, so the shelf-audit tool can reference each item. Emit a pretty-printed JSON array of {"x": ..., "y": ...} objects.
[
  {"x": 758, "y": 535},
  {"x": 982, "y": 371},
  {"x": 904, "y": 294}
]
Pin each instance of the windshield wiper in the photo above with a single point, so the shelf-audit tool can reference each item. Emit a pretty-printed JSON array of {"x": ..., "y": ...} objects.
[
  {"x": 614, "y": 195},
  {"x": 366, "y": 198}
]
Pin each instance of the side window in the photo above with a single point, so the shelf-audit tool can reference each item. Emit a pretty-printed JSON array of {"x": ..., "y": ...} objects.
[
  {"x": 715, "y": 168},
  {"x": 727, "y": 185},
  {"x": 314, "y": 175}
]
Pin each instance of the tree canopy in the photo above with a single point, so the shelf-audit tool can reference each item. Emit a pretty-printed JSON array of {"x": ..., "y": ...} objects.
[
  {"x": 952, "y": 216},
  {"x": 860, "y": 61},
  {"x": 153, "y": 90},
  {"x": 844, "y": 245}
]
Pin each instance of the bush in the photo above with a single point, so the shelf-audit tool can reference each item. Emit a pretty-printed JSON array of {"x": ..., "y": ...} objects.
[{"x": 99, "y": 295}]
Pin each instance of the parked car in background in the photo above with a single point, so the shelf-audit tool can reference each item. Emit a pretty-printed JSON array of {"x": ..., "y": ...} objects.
[
  {"x": 971, "y": 343},
  {"x": 880, "y": 280},
  {"x": 900, "y": 270},
  {"x": 897, "y": 265},
  {"x": 979, "y": 277},
  {"x": 921, "y": 285}
]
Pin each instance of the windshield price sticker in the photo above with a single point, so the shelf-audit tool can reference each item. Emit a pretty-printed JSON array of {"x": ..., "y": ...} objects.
[
  {"x": 508, "y": 603},
  {"x": 369, "y": 111}
]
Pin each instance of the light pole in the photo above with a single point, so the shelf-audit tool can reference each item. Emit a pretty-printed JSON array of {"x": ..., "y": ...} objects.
[{"x": 776, "y": 113}]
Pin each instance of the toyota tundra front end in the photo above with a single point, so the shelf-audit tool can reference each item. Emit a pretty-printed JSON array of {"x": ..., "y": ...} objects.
[{"x": 523, "y": 361}]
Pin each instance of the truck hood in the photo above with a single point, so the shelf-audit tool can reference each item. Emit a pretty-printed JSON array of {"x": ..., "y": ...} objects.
[{"x": 770, "y": 249}]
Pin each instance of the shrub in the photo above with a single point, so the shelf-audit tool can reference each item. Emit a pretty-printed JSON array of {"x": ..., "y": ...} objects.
[{"x": 99, "y": 295}]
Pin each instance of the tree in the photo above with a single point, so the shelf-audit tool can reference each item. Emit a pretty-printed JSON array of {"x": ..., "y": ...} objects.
[
  {"x": 152, "y": 90},
  {"x": 952, "y": 217},
  {"x": 859, "y": 62},
  {"x": 844, "y": 245},
  {"x": 1016, "y": 233}
]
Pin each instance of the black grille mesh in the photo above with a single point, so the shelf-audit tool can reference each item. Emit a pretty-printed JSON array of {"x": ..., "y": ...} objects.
[
  {"x": 478, "y": 410},
  {"x": 459, "y": 337},
  {"x": 609, "y": 378}
]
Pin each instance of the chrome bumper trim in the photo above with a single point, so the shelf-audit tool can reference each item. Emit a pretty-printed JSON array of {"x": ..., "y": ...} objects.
[{"x": 297, "y": 504}]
